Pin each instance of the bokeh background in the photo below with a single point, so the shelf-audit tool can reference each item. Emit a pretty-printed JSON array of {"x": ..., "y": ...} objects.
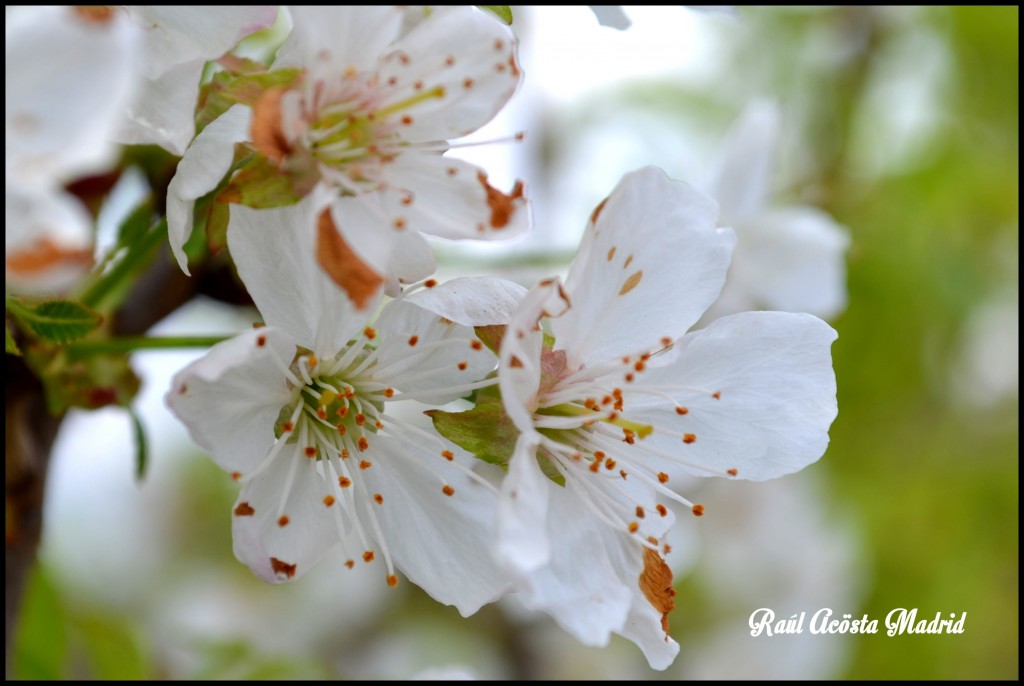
[{"x": 900, "y": 122}]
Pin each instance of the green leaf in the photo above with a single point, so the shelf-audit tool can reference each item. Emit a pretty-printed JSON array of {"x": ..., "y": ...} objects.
[
  {"x": 503, "y": 12},
  {"x": 136, "y": 224},
  {"x": 485, "y": 431},
  {"x": 59, "y": 321},
  {"x": 141, "y": 449},
  {"x": 12, "y": 347},
  {"x": 491, "y": 336}
]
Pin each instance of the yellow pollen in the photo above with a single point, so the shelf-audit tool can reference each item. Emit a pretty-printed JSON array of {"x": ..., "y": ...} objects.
[
  {"x": 663, "y": 477},
  {"x": 344, "y": 482},
  {"x": 365, "y": 464},
  {"x": 360, "y": 419},
  {"x": 392, "y": 580},
  {"x": 368, "y": 556},
  {"x": 389, "y": 393},
  {"x": 328, "y": 500},
  {"x": 689, "y": 438},
  {"x": 633, "y": 526},
  {"x": 662, "y": 510},
  {"x": 363, "y": 444},
  {"x": 698, "y": 510},
  {"x": 369, "y": 333}
]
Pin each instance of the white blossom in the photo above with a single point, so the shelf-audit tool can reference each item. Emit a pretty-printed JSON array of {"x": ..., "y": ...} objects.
[{"x": 624, "y": 395}]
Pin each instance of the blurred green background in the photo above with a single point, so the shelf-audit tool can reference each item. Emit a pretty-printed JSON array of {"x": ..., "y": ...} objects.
[{"x": 903, "y": 124}]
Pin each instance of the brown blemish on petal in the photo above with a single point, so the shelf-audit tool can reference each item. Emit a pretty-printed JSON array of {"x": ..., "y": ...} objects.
[
  {"x": 611, "y": 254},
  {"x": 717, "y": 395},
  {"x": 283, "y": 521},
  {"x": 631, "y": 282},
  {"x": 244, "y": 510},
  {"x": 656, "y": 584},
  {"x": 515, "y": 362},
  {"x": 597, "y": 213},
  {"x": 280, "y": 567},
  {"x": 502, "y": 206},
  {"x": 732, "y": 472},
  {"x": 343, "y": 266},
  {"x": 267, "y": 125},
  {"x": 44, "y": 254}
]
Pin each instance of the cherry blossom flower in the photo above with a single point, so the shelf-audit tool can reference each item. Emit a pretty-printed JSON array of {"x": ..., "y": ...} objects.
[
  {"x": 368, "y": 116},
  {"x": 789, "y": 257},
  {"x": 175, "y": 45},
  {"x": 623, "y": 396},
  {"x": 300, "y": 411},
  {"x": 68, "y": 78}
]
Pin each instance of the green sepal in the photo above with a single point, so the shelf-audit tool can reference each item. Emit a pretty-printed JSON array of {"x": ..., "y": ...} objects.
[
  {"x": 141, "y": 447},
  {"x": 503, "y": 12},
  {"x": 484, "y": 431},
  {"x": 228, "y": 88},
  {"x": 262, "y": 184}
]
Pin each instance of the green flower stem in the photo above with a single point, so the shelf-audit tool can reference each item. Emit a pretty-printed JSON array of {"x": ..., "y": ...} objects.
[
  {"x": 137, "y": 254},
  {"x": 129, "y": 343}
]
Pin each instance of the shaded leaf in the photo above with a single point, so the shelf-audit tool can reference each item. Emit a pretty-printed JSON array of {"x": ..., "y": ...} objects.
[{"x": 11, "y": 346}]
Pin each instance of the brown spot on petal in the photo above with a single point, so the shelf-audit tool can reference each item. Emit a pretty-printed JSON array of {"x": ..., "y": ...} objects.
[
  {"x": 280, "y": 567},
  {"x": 94, "y": 14},
  {"x": 656, "y": 584},
  {"x": 267, "y": 127},
  {"x": 244, "y": 510},
  {"x": 631, "y": 282},
  {"x": 343, "y": 265},
  {"x": 283, "y": 521},
  {"x": 502, "y": 206},
  {"x": 732, "y": 472},
  {"x": 515, "y": 362}
]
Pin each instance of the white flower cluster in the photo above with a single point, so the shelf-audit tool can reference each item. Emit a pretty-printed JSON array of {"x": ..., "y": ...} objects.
[{"x": 586, "y": 395}]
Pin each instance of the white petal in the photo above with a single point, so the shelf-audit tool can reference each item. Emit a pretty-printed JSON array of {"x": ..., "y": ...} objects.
[
  {"x": 472, "y": 301},
  {"x": 649, "y": 266},
  {"x": 523, "y": 543},
  {"x": 231, "y": 397},
  {"x": 581, "y": 587},
  {"x": 338, "y": 37},
  {"x": 412, "y": 261},
  {"x": 66, "y": 82},
  {"x": 427, "y": 354},
  {"x": 449, "y": 198},
  {"x": 270, "y": 545},
  {"x": 163, "y": 111},
  {"x": 175, "y": 35},
  {"x": 772, "y": 372},
  {"x": 367, "y": 229},
  {"x": 465, "y": 51},
  {"x": 47, "y": 239},
  {"x": 274, "y": 250},
  {"x": 741, "y": 181},
  {"x": 788, "y": 259},
  {"x": 520, "y": 370},
  {"x": 205, "y": 163},
  {"x": 442, "y": 543}
]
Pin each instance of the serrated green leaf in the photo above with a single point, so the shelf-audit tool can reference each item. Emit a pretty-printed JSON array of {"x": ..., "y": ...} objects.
[
  {"x": 12, "y": 347},
  {"x": 141, "y": 448},
  {"x": 60, "y": 321},
  {"x": 484, "y": 431},
  {"x": 503, "y": 12}
]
